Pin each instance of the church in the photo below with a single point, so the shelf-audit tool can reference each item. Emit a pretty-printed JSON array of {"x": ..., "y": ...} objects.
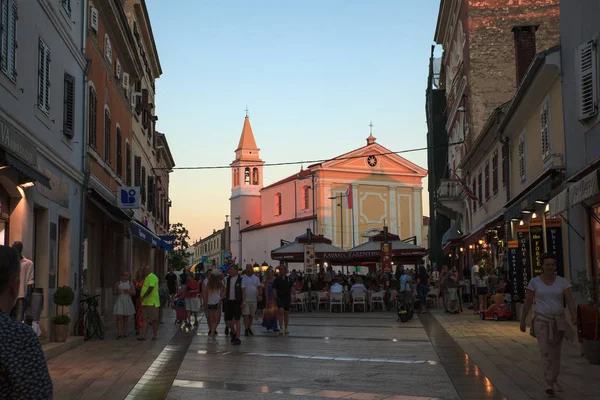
[{"x": 347, "y": 199}]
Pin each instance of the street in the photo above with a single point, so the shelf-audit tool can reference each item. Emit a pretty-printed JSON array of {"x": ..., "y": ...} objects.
[{"x": 351, "y": 356}]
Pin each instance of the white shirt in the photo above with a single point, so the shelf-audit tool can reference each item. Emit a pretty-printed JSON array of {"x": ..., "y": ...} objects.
[
  {"x": 404, "y": 281},
  {"x": 474, "y": 272},
  {"x": 549, "y": 299},
  {"x": 26, "y": 277},
  {"x": 251, "y": 284},
  {"x": 336, "y": 288},
  {"x": 232, "y": 282},
  {"x": 214, "y": 297},
  {"x": 357, "y": 287}
]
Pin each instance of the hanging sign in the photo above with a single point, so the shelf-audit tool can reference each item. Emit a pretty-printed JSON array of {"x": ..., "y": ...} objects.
[
  {"x": 386, "y": 258},
  {"x": 515, "y": 271},
  {"x": 524, "y": 257},
  {"x": 536, "y": 231},
  {"x": 554, "y": 242},
  {"x": 309, "y": 259}
]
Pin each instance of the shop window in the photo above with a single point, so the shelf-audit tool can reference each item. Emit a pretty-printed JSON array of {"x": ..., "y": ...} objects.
[{"x": 278, "y": 204}]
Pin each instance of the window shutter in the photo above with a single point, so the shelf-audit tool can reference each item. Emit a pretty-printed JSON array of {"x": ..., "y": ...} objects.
[
  {"x": 4, "y": 33},
  {"x": 145, "y": 98},
  {"x": 138, "y": 171},
  {"x": 44, "y": 77},
  {"x": 505, "y": 165},
  {"x": 495, "y": 173},
  {"x": 125, "y": 80},
  {"x": 107, "y": 50},
  {"x": 107, "y": 127},
  {"x": 67, "y": 6},
  {"x": 118, "y": 69},
  {"x": 127, "y": 164},
  {"x": 475, "y": 193},
  {"x": 522, "y": 161},
  {"x": 487, "y": 180},
  {"x": 480, "y": 187},
  {"x": 8, "y": 34},
  {"x": 588, "y": 81},
  {"x": 119, "y": 155},
  {"x": 545, "y": 129},
  {"x": 150, "y": 194},
  {"x": 143, "y": 187},
  {"x": 94, "y": 19},
  {"x": 92, "y": 118},
  {"x": 69, "y": 106}
]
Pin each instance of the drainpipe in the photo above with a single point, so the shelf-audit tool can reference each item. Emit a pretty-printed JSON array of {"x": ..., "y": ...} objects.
[{"x": 84, "y": 166}]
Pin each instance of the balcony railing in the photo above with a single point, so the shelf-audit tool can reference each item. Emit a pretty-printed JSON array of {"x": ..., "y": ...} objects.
[{"x": 450, "y": 189}]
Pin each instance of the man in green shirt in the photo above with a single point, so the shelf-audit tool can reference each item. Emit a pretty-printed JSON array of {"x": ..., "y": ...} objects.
[{"x": 150, "y": 303}]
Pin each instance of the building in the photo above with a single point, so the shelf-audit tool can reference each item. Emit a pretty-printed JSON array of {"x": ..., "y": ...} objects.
[
  {"x": 437, "y": 161},
  {"x": 579, "y": 203},
  {"x": 425, "y": 237},
  {"x": 213, "y": 249},
  {"x": 479, "y": 74},
  {"x": 42, "y": 81},
  {"x": 354, "y": 196}
]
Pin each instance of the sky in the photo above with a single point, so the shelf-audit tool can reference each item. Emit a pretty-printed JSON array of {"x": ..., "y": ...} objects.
[{"x": 312, "y": 73}]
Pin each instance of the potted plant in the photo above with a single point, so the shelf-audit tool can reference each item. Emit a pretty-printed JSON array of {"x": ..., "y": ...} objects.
[
  {"x": 63, "y": 297},
  {"x": 588, "y": 318}
]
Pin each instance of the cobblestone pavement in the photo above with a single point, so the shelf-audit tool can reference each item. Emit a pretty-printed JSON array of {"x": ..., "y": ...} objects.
[{"x": 350, "y": 356}]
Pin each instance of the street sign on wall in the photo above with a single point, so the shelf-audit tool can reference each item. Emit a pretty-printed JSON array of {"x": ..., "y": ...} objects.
[{"x": 129, "y": 197}]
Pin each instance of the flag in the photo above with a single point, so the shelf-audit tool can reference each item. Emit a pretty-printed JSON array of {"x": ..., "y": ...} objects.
[
  {"x": 466, "y": 190},
  {"x": 349, "y": 197}
]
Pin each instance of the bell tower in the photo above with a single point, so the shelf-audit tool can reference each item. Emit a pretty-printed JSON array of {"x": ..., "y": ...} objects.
[{"x": 246, "y": 183}]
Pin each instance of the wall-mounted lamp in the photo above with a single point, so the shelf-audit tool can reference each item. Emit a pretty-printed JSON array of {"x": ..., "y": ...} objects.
[
  {"x": 521, "y": 223},
  {"x": 540, "y": 202},
  {"x": 534, "y": 215},
  {"x": 470, "y": 247},
  {"x": 547, "y": 208},
  {"x": 462, "y": 249},
  {"x": 480, "y": 242},
  {"x": 526, "y": 212}
]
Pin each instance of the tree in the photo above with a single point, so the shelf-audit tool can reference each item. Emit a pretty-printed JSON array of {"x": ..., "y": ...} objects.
[{"x": 178, "y": 258}]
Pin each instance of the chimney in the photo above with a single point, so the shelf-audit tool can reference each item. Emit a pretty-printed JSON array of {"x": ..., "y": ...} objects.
[{"x": 525, "y": 50}]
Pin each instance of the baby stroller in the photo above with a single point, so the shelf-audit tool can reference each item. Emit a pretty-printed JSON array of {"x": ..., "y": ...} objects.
[{"x": 179, "y": 306}]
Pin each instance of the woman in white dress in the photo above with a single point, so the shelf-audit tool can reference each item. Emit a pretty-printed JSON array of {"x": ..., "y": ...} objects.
[
  {"x": 550, "y": 326},
  {"x": 124, "y": 289}
]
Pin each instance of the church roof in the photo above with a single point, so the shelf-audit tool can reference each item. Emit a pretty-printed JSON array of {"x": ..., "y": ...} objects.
[{"x": 247, "y": 140}]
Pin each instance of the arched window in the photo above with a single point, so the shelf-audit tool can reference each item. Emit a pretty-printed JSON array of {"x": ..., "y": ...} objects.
[
  {"x": 247, "y": 176},
  {"x": 236, "y": 177},
  {"x": 278, "y": 204},
  {"x": 305, "y": 197},
  {"x": 255, "y": 176}
]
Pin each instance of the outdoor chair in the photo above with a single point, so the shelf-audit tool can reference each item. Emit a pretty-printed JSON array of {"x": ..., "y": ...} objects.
[
  {"x": 433, "y": 297},
  {"x": 337, "y": 299},
  {"x": 359, "y": 298},
  {"x": 323, "y": 299},
  {"x": 377, "y": 298},
  {"x": 300, "y": 301}
]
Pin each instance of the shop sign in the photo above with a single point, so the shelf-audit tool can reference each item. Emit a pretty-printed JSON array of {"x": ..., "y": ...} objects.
[
  {"x": 554, "y": 241},
  {"x": 583, "y": 189},
  {"x": 515, "y": 271},
  {"x": 143, "y": 234},
  {"x": 309, "y": 259},
  {"x": 386, "y": 258},
  {"x": 14, "y": 141},
  {"x": 129, "y": 197},
  {"x": 60, "y": 189},
  {"x": 537, "y": 245},
  {"x": 524, "y": 257},
  {"x": 335, "y": 256}
]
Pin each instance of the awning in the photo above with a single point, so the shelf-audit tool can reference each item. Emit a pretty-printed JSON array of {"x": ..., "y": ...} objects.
[
  {"x": 166, "y": 242},
  {"x": 109, "y": 208},
  {"x": 451, "y": 234},
  {"x": 144, "y": 234},
  {"x": 29, "y": 171},
  {"x": 559, "y": 203},
  {"x": 584, "y": 189},
  {"x": 528, "y": 199},
  {"x": 452, "y": 243}
]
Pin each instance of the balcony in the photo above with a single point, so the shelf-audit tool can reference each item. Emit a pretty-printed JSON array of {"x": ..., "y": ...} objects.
[{"x": 450, "y": 198}]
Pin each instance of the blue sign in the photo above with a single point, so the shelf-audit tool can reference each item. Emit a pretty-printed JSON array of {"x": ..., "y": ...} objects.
[
  {"x": 129, "y": 197},
  {"x": 166, "y": 242},
  {"x": 204, "y": 259},
  {"x": 145, "y": 235}
]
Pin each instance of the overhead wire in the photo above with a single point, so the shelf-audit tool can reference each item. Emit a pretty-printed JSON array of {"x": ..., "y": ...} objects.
[{"x": 319, "y": 161}]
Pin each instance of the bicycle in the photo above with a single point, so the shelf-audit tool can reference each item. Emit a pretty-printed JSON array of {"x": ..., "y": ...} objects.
[{"x": 91, "y": 318}]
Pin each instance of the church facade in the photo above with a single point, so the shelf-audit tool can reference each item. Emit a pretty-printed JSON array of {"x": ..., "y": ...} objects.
[{"x": 347, "y": 199}]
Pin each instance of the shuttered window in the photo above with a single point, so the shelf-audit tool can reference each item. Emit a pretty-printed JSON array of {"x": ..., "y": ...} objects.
[
  {"x": 480, "y": 187},
  {"x": 93, "y": 111},
  {"x": 119, "y": 154},
  {"x": 505, "y": 165},
  {"x": 475, "y": 193},
  {"x": 127, "y": 164},
  {"x": 545, "y": 128},
  {"x": 67, "y": 6},
  {"x": 143, "y": 185},
  {"x": 487, "y": 180},
  {"x": 588, "y": 80},
  {"x": 522, "y": 158},
  {"x": 495, "y": 173},
  {"x": 151, "y": 194},
  {"x": 138, "y": 172},
  {"x": 8, "y": 38},
  {"x": 107, "y": 50},
  {"x": 107, "y": 128},
  {"x": 44, "y": 77},
  {"x": 94, "y": 19},
  {"x": 69, "y": 106}
]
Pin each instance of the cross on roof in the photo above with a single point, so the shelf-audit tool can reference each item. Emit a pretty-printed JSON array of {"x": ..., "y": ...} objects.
[
  {"x": 246, "y": 109},
  {"x": 371, "y": 127}
]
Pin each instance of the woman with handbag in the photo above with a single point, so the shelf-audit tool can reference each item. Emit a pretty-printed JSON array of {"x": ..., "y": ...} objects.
[{"x": 549, "y": 325}]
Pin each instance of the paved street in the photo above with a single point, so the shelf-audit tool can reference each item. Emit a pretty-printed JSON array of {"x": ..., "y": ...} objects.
[{"x": 350, "y": 356}]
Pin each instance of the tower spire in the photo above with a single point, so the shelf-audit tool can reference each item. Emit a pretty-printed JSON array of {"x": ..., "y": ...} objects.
[{"x": 371, "y": 139}]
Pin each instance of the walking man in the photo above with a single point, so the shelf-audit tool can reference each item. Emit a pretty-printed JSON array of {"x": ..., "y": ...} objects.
[
  {"x": 283, "y": 287},
  {"x": 150, "y": 303},
  {"x": 233, "y": 304},
  {"x": 171, "y": 284},
  {"x": 251, "y": 295},
  {"x": 26, "y": 284}
]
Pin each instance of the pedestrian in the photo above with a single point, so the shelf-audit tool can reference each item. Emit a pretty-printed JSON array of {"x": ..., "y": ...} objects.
[
  {"x": 283, "y": 288},
  {"x": 251, "y": 295},
  {"x": 192, "y": 301},
  {"x": 23, "y": 369},
  {"x": 405, "y": 286},
  {"x": 423, "y": 287},
  {"x": 271, "y": 312},
  {"x": 123, "y": 307},
  {"x": 442, "y": 287},
  {"x": 549, "y": 325},
  {"x": 165, "y": 297},
  {"x": 171, "y": 283},
  {"x": 137, "y": 299},
  {"x": 234, "y": 304},
  {"x": 150, "y": 303},
  {"x": 474, "y": 272},
  {"x": 482, "y": 288},
  {"x": 27, "y": 282},
  {"x": 213, "y": 296},
  {"x": 451, "y": 287}
]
